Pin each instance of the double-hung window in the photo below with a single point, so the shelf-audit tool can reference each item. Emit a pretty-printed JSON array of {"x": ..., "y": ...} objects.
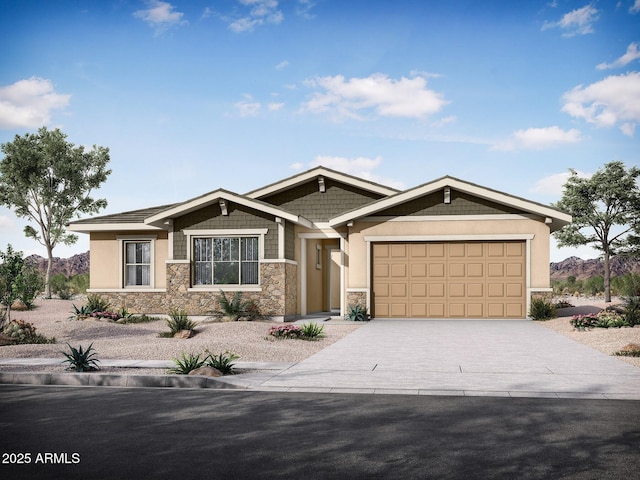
[
  {"x": 137, "y": 263},
  {"x": 225, "y": 260}
]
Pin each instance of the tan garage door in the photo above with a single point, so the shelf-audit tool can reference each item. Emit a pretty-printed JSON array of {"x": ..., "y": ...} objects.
[{"x": 449, "y": 280}]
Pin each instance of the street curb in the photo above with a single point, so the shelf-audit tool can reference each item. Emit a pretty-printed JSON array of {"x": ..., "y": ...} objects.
[{"x": 114, "y": 380}]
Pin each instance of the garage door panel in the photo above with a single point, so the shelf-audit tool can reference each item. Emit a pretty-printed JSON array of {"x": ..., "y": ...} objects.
[
  {"x": 449, "y": 279},
  {"x": 457, "y": 269}
]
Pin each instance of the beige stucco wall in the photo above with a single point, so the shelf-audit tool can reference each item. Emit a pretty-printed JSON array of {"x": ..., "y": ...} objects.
[
  {"x": 357, "y": 247},
  {"x": 105, "y": 269}
]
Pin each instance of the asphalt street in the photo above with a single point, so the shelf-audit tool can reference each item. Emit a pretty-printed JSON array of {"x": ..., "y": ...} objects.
[{"x": 117, "y": 433}]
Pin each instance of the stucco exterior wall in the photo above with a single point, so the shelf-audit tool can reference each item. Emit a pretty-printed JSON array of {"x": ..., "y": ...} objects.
[{"x": 105, "y": 268}]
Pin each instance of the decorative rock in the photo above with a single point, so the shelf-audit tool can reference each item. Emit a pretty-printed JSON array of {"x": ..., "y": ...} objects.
[
  {"x": 206, "y": 371},
  {"x": 184, "y": 334},
  {"x": 18, "y": 305}
]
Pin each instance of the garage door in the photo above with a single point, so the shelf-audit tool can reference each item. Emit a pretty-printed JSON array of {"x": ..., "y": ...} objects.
[{"x": 449, "y": 280}]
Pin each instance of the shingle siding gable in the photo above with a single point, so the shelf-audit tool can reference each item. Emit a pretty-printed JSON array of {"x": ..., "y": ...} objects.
[
  {"x": 211, "y": 218},
  {"x": 308, "y": 201},
  {"x": 461, "y": 204}
]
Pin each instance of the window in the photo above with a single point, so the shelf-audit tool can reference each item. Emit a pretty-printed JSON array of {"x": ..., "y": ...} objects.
[
  {"x": 137, "y": 266},
  {"x": 225, "y": 261}
]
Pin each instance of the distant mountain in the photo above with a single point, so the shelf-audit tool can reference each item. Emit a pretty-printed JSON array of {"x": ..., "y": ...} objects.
[
  {"x": 68, "y": 266},
  {"x": 582, "y": 269}
]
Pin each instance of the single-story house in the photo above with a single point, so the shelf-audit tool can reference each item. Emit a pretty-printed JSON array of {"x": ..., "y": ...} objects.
[{"x": 322, "y": 241}]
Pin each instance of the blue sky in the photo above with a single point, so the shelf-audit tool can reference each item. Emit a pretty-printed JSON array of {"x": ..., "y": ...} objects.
[{"x": 191, "y": 96}]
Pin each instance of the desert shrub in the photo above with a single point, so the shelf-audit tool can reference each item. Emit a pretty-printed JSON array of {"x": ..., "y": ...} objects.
[
  {"x": 584, "y": 322},
  {"x": 187, "y": 363},
  {"x": 632, "y": 310},
  {"x": 630, "y": 350},
  {"x": 179, "y": 320},
  {"x": 95, "y": 303},
  {"x": 81, "y": 360},
  {"x": 594, "y": 285},
  {"x": 357, "y": 313},
  {"x": 79, "y": 283},
  {"x": 79, "y": 312},
  {"x": 223, "y": 362},
  {"x": 312, "y": 331},
  {"x": 24, "y": 332},
  {"x": 131, "y": 318},
  {"x": 610, "y": 319},
  {"x": 237, "y": 308},
  {"x": 285, "y": 331},
  {"x": 563, "y": 304},
  {"x": 60, "y": 286},
  {"x": 542, "y": 309}
]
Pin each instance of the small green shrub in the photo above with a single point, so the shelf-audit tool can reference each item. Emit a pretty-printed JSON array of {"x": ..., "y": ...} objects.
[
  {"x": 187, "y": 363},
  {"x": 564, "y": 304},
  {"x": 25, "y": 333},
  {"x": 610, "y": 319},
  {"x": 80, "y": 313},
  {"x": 632, "y": 310},
  {"x": 542, "y": 309},
  {"x": 224, "y": 362},
  {"x": 285, "y": 331},
  {"x": 357, "y": 313},
  {"x": 179, "y": 320},
  {"x": 584, "y": 322},
  {"x": 312, "y": 331},
  {"x": 138, "y": 319},
  {"x": 81, "y": 360}
]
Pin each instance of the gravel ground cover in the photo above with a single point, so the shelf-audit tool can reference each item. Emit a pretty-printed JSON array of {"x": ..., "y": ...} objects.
[{"x": 249, "y": 340}]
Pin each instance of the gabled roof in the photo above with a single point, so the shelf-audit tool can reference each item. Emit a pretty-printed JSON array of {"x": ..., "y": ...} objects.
[
  {"x": 202, "y": 201},
  {"x": 131, "y": 220},
  {"x": 558, "y": 219},
  {"x": 304, "y": 177}
]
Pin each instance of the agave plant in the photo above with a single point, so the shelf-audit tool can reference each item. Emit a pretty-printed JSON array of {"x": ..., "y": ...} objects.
[
  {"x": 312, "y": 331},
  {"x": 188, "y": 362},
  {"x": 81, "y": 360},
  {"x": 357, "y": 313},
  {"x": 223, "y": 362},
  {"x": 236, "y": 308}
]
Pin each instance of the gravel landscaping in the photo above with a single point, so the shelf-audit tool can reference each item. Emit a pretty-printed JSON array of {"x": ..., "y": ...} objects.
[{"x": 249, "y": 340}]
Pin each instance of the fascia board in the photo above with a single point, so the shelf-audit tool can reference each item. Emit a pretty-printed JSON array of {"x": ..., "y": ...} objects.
[
  {"x": 110, "y": 227},
  {"x": 212, "y": 197},
  {"x": 311, "y": 174}
]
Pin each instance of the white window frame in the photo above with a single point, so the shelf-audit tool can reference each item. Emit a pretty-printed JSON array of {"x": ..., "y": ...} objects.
[
  {"x": 260, "y": 233},
  {"x": 123, "y": 240}
]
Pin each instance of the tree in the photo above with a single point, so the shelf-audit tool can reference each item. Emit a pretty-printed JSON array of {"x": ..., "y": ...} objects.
[
  {"x": 18, "y": 280},
  {"x": 48, "y": 180},
  {"x": 606, "y": 214}
]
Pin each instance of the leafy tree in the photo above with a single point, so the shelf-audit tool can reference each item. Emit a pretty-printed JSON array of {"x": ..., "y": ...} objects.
[
  {"x": 606, "y": 214},
  {"x": 48, "y": 180},
  {"x": 18, "y": 280}
]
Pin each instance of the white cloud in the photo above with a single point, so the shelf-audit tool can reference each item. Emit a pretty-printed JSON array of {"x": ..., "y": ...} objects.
[
  {"x": 406, "y": 97},
  {"x": 577, "y": 22},
  {"x": 282, "y": 65},
  {"x": 261, "y": 12},
  {"x": 274, "y": 107},
  {"x": 538, "y": 139},
  {"x": 247, "y": 107},
  {"x": 28, "y": 103},
  {"x": 631, "y": 54},
  {"x": 160, "y": 15},
  {"x": 361, "y": 167},
  {"x": 607, "y": 103},
  {"x": 635, "y": 8},
  {"x": 552, "y": 185}
]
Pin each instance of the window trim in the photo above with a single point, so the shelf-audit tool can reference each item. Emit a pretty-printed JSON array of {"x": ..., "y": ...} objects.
[
  {"x": 190, "y": 235},
  {"x": 122, "y": 241}
]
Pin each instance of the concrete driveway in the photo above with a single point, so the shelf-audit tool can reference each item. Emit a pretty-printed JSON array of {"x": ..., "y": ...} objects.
[{"x": 459, "y": 357}]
